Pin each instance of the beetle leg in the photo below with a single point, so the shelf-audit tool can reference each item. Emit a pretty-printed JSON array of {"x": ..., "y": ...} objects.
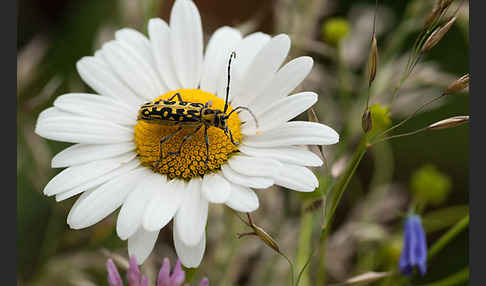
[
  {"x": 162, "y": 142},
  {"x": 231, "y": 138},
  {"x": 187, "y": 137}
]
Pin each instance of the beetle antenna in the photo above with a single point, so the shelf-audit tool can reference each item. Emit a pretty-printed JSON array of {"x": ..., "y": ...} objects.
[
  {"x": 244, "y": 108},
  {"x": 233, "y": 55}
]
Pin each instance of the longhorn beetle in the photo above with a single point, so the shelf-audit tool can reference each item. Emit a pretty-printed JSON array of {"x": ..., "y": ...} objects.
[{"x": 189, "y": 114}]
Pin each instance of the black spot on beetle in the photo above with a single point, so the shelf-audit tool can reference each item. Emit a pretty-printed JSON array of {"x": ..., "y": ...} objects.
[{"x": 197, "y": 104}]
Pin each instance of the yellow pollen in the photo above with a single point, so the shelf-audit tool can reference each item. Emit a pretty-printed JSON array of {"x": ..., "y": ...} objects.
[{"x": 191, "y": 161}]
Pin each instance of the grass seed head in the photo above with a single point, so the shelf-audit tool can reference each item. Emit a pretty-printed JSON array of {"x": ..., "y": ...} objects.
[
  {"x": 366, "y": 122},
  {"x": 457, "y": 85},
  {"x": 437, "y": 35},
  {"x": 372, "y": 61},
  {"x": 449, "y": 122},
  {"x": 266, "y": 238},
  {"x": 439, "y": 7}
]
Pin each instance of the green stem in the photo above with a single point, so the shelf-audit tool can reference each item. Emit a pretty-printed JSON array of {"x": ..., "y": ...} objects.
[
  {"x": 448, "y": 236},
  {"x": 291, "y": 267},
  {"x": 321, "y": 274},
  {"x": 340, "y": 186},
  {"x": 400, "y": 135},
  {"x": 410, "y": 116},
  {"x": 305, "y": 235},
  {"x": 336, "y": 192},
  {"x": 190, "y": 273},
  {"x": 455, "y": 279}
]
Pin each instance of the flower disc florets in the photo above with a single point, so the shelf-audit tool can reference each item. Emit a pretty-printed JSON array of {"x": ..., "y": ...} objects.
[{"x": 191, "y": 161}]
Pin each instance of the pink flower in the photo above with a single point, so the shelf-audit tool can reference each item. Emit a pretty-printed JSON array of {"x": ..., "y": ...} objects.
[{"x": 135, "y": 278}]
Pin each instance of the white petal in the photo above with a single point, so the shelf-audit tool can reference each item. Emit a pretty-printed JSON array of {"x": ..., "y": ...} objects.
[
  {"x": 139, "y": 47},
  {"x": 240, "y": 179},
  {"x": 254, "y": 166},
  {"x": 246, "y": 50},
  {"x": 284, "y": 82},
  {"x": 78, "y": 202},
  {"x": 121, "y": 171},
  {"x": 190, "y": 255},
  {"x": 84, "y": 153},
  {"x": 294, "y": 133},
  {"x": 136, "y": 40},
  {"x": 103, "y": 200},
  {"x": 279, "y": 112},
  {"x": 291, "y": 154},
  {"x": 159, "y": 40},
  {"x": 190, "y": 220},
  {"x": 297, "y": 178},
  {"x": 51, "y": 112},
  {"x": 66, "y": 127},
  {"x": 215, "y": 188},
  {"x": 132, "y": 211},
  {"x": 186, "y": 42},
  {"x": 131, "y": 70},
  {"x": 242, "y": 199},
  {"x": 137, "y": 43},
  {"x": 261, "y": 70},
  {"x": 95, "y": 106},
  {"x": 100, "y": 77},
  {"x": 76, "y": 175},
  {"x": 216, "y": 58},
  {"x": 163, "y": 206},
  {"x": 141, "y": 244}
]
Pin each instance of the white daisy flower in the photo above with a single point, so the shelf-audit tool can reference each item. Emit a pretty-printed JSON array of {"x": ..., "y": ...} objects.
[{"x": 116, "y": 162}]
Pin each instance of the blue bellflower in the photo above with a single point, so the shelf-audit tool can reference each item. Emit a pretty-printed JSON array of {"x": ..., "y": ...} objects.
[{"x": 414, "y": 252}]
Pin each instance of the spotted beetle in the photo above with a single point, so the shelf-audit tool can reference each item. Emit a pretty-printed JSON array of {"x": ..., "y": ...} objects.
[{"x": 189, "y": 114}]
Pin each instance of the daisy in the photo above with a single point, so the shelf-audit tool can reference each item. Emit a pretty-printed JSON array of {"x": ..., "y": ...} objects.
[{"x": 115, "y": 161}]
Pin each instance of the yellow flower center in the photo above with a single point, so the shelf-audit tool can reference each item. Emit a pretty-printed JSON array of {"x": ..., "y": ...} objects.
[{"x": 191, "y": 161}]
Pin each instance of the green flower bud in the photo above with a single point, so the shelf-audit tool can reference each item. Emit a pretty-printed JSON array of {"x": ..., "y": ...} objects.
[
  {"x": 428, "y": 185},
  {"x": 392, "y": 248},
  {"x": 380, "y": 119},
  {"x": 334, "y": 30}
]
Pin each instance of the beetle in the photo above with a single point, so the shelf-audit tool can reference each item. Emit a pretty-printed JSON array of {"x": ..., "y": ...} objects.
[{"x": 189, "y": 114}]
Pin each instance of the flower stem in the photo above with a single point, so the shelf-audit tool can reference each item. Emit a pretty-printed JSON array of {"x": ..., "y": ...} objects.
[
  {"x": 400, "y": 135},
  {"x": 321, "y": 274},
  {"x": 448, "y": 236},
  {"x": 190, "y": 273},
  {"x": 454, "y": 279},
  {"x": 305, "y": 236},
  {"x": 291, "y": 267},
  {"x": 340, "y": 186},
  {"x": 336, "y": 193},
  {"x": 410, "y": 116}
]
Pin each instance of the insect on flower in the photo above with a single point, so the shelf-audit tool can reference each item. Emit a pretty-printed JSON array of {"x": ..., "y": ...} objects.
[{"x": 186, "y": 114}]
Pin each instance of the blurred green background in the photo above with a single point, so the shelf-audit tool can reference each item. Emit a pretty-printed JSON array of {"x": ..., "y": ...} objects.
[{"x": 53, "y": 35}]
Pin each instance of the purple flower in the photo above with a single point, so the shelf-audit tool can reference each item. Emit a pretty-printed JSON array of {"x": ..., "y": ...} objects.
[
  {"x": 165, "y": 279},
  {"x": 135, "y": 278},
  {"x": 114, "y": 278},
  {"x": 414, "y": 252}
]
